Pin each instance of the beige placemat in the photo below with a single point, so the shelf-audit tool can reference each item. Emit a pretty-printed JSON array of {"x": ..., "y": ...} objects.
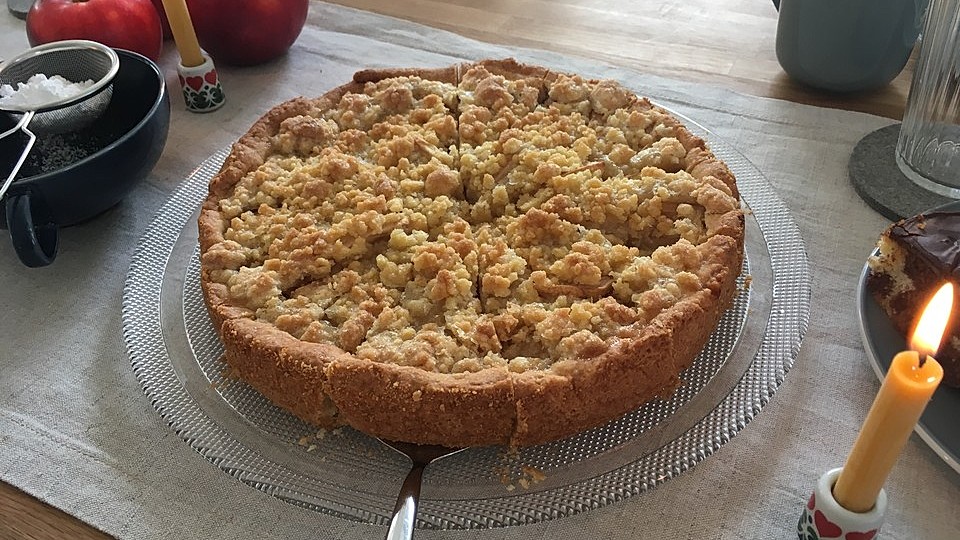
[{"x": 77, "y": 432}]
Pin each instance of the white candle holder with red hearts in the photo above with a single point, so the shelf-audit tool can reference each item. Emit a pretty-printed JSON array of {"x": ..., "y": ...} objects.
[
  {"x": 823, "y": 517},
  {"x": 202, "y": 91}
]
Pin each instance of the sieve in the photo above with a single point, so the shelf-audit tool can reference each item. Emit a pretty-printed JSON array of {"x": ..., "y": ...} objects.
[{"x": 74, "y": 60}]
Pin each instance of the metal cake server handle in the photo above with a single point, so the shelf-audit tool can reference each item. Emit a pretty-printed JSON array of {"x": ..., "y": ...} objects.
[{"x": 405, "y": 511}]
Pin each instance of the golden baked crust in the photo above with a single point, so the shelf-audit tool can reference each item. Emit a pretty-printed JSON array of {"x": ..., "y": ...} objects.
[{"x": 489, "y": 253}]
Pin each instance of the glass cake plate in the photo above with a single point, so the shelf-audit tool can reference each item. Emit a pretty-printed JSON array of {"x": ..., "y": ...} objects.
[
  {"x": 176, "y": 356},
  {"x": 938, "y": 425}
]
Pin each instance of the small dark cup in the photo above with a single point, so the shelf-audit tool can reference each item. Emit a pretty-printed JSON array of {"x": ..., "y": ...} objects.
[{"x": 126, "y": 140}]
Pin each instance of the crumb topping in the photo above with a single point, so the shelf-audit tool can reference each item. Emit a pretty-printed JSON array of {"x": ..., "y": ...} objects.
[{"x": 498, "y": 222}]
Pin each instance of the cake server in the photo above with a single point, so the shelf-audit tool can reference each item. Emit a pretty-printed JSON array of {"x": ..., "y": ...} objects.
[{"x": 405, "y": 511}]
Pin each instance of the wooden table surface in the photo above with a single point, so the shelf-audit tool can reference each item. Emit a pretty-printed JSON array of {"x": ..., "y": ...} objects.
[{"x": 727, "y": 43}]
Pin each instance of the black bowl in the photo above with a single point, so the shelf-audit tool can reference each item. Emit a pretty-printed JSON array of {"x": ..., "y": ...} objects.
[{"x": 71, "y": 178}]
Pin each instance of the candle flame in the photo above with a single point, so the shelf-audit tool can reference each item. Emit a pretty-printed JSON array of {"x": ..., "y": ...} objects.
[{"x": 933, "y": 321}]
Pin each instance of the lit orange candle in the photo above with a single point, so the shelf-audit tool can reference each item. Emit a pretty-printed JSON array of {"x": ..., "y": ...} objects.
[
  {"x": 183, "y": 33},
  {"x": 904, "y": 394}
]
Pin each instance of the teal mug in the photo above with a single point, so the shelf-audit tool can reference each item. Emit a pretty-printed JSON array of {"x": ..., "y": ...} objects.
[{"x": 847, "y": 45}]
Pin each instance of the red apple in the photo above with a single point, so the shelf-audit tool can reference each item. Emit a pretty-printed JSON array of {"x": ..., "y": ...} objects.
[
  {"x": 163, "y": 19},
  {"x": 123, "y": 24},
  {"x": 247, "y": 32}
]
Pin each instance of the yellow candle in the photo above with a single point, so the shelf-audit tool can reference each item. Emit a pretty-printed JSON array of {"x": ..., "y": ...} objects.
[
  {"x": 905, "y": 391},
  {"x": 904, "y": 394},
  {"x": 183, "y": 33}
]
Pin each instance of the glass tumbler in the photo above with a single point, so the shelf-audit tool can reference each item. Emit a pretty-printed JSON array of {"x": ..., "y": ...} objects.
[
  {"x": 928, "y": 149},
  {"x": 19, "y": 7}
]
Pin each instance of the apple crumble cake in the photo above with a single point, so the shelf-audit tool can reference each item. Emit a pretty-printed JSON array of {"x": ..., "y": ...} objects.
[{"x": 491, "y": 253}]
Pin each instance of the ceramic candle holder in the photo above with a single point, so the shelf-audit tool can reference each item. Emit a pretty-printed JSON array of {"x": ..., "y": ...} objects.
[
  {"x": 823, "y": 517},
  {"x": 201, "y": 86}
]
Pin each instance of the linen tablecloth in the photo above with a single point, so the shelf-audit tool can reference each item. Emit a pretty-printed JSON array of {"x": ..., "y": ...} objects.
[{"x": 77, "y": 431}]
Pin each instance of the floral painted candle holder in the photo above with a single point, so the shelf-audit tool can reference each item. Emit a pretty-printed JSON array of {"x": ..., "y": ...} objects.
[
  {"x": 201, "y": 86},
  {"x": 823, "y": 517}
]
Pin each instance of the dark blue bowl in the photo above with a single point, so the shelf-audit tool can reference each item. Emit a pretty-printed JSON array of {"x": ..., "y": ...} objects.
[{"x": 71, "y": 178}]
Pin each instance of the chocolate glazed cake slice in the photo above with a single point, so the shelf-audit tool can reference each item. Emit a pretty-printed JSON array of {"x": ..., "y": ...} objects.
[{"x": 916, "y": 256}]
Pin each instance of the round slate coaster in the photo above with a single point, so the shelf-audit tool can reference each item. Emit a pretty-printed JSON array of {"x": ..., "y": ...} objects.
[{"x": 875, "y": 175}]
